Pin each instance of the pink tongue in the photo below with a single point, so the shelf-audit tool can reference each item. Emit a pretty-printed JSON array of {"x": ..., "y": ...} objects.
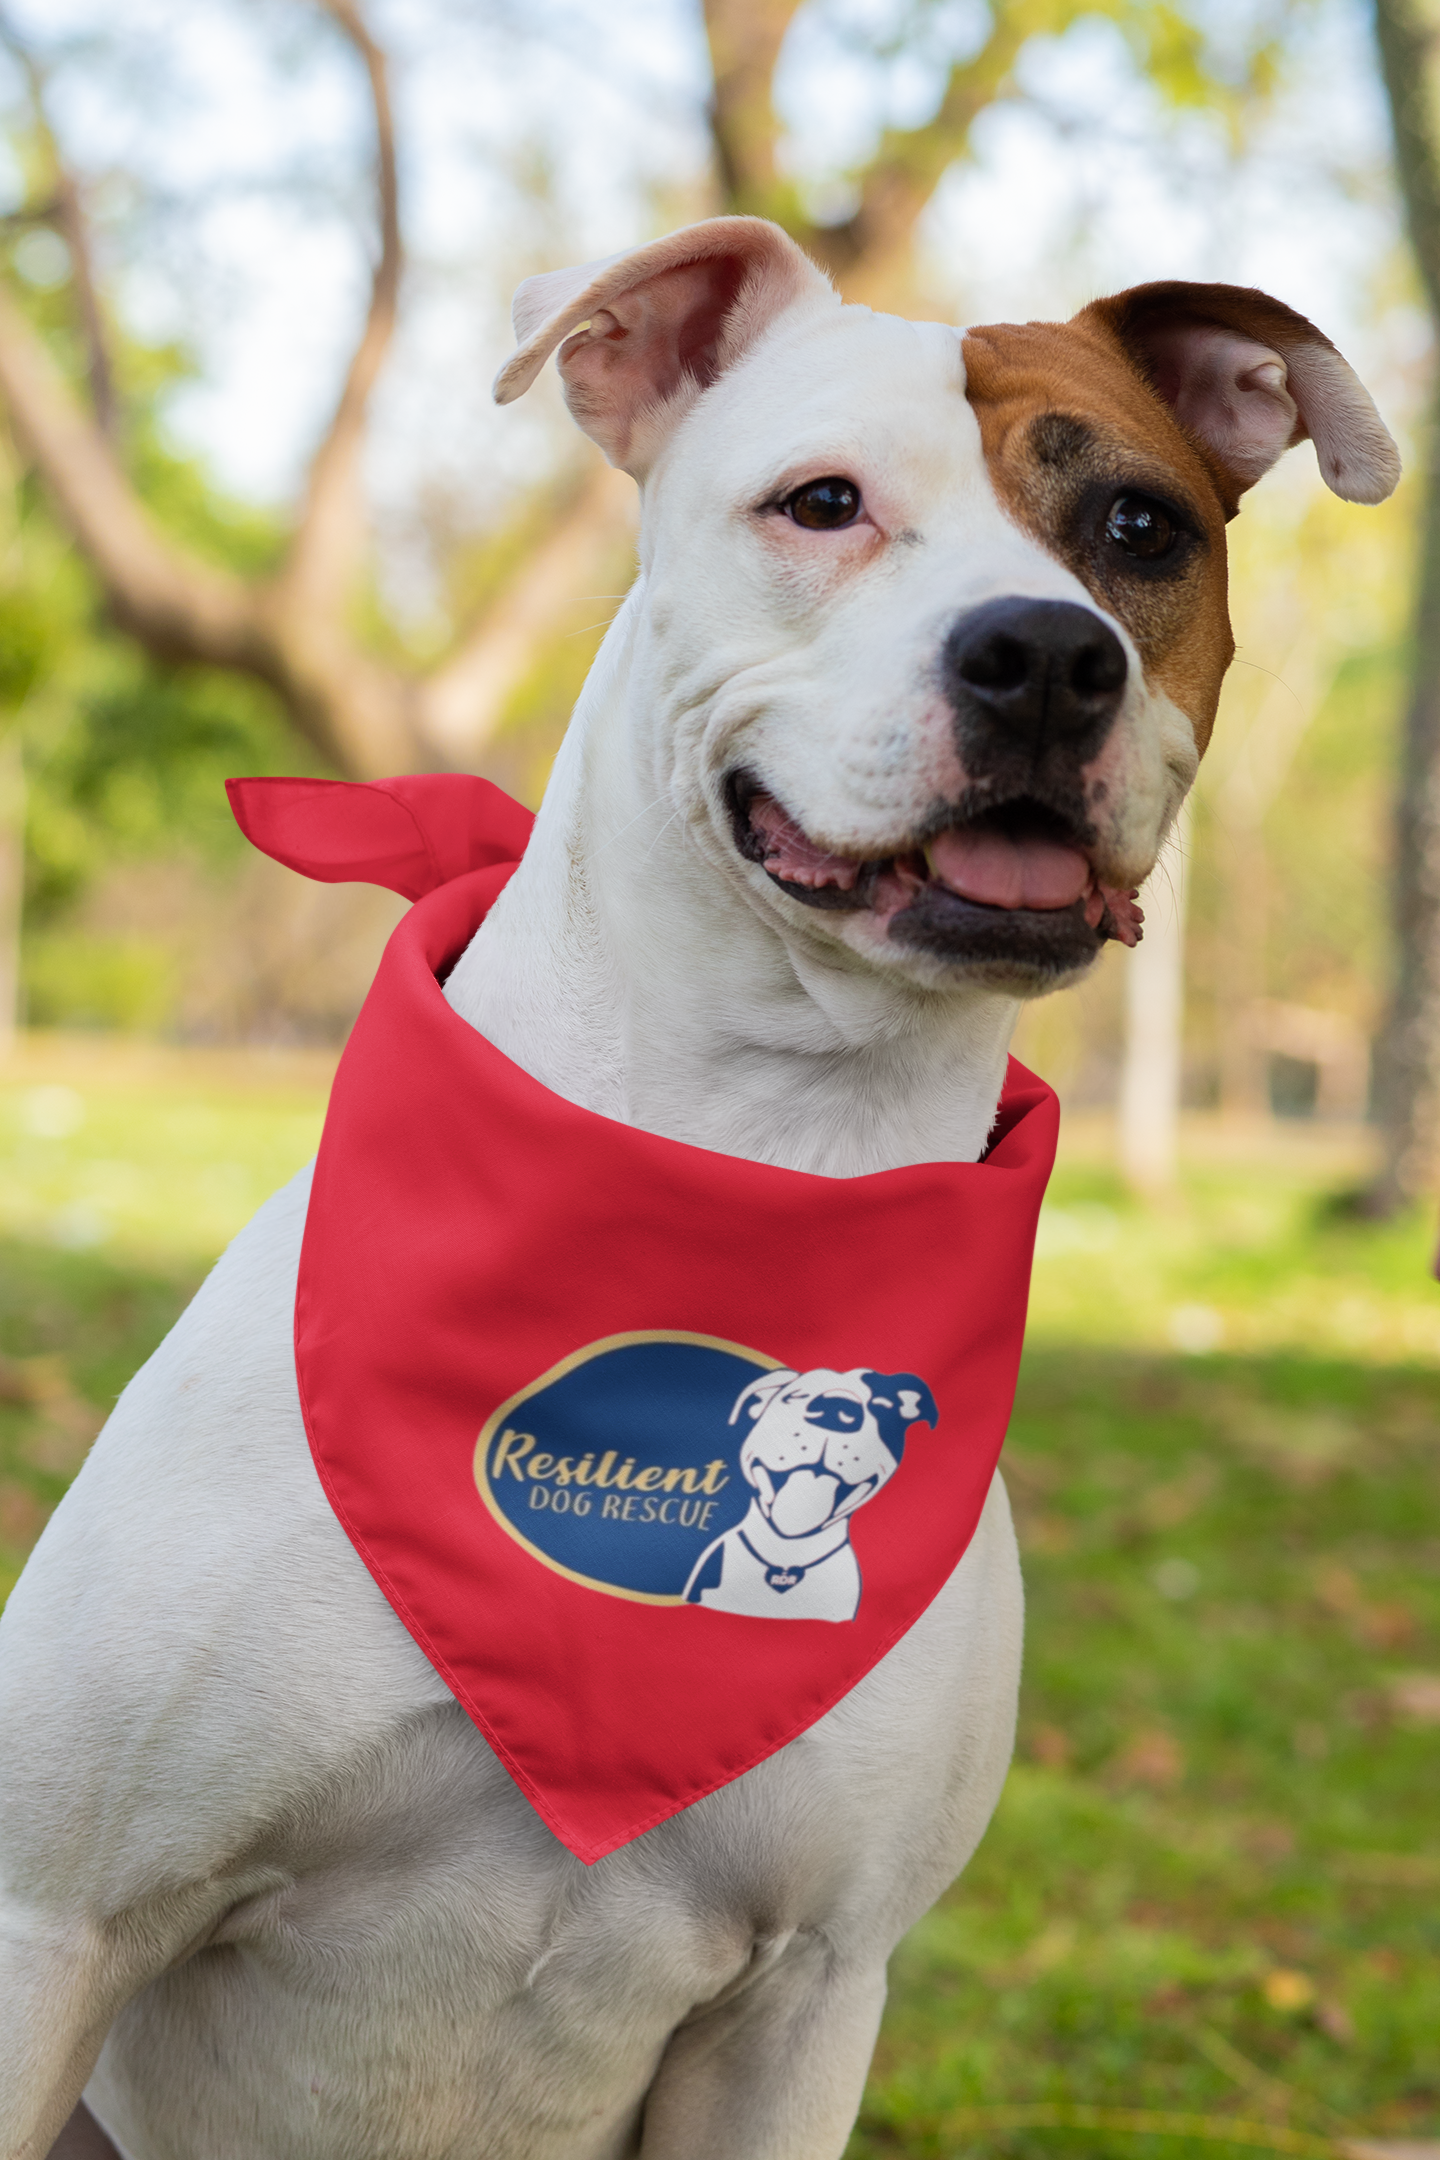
[{"x": 1005, "y": 873}]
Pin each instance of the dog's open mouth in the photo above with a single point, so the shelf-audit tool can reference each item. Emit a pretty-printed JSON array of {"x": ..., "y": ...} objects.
[{"x": 1013, "y": 884}]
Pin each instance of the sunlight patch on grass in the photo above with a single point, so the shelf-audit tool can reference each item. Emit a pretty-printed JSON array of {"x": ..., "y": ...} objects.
[
  {"x": 1258, "y": 1250},
  {"x": 159, "y": 1154}
]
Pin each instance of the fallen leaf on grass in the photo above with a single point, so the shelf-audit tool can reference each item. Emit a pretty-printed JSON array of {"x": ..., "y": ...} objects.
[
  {"x": 1050, "y": 1746},
  {"x": 1416, "y": 1695},
  {"x": 1287, "y": 1990},
  {"x": 1386, "y": 1626},
  {"x": 1165, "y": 1507},
  {"x": 1150, "y": 1758},
  {"x": 1338, "y": 1589},
  {"x": 1383, "y": 1625},
  {"x": 1268, "y": 1841},
  {"x": 68, "y": 1422},
  {"x": 1365, "y": 1707},
  {"x": 1050, "y": 1948},
  {"x": 22, "y": 1517},
  {"x": 1391, "y": 2148},
  {"x": 1335, "y": 2021},
  {"x": 1388, "y": 1871},
  {"x": 1043, "y": 1533},
  {"x": 1171, "y": 1996},
  {"x": 1303, "y": 1448}
]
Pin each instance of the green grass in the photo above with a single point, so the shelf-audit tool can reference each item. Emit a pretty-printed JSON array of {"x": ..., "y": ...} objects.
[
  {"x": 1217, "y": 1780},
  {"x": 1213, "y": 1885},
  {"x": 124, "y": 1171}
]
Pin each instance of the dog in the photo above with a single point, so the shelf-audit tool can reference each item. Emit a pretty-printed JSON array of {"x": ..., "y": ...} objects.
[
  {"x": 821, "y": 1445},
  {"x": 923, "y": 650}
]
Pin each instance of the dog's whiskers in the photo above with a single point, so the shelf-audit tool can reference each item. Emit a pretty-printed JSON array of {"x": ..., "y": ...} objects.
[
  {"x": 661, "y": 834},
  {"x": 628, "y": 826}
]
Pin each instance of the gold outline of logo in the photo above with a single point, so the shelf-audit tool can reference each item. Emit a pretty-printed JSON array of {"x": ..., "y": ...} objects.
[{"x": 557, "y": 1372}]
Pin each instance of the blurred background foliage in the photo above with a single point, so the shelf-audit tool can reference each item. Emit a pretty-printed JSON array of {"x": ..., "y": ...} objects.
[{"x": 848, "y": 122}]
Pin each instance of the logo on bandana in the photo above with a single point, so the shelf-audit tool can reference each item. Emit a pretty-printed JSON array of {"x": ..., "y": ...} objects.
[{"x": 679, "y": 1469}]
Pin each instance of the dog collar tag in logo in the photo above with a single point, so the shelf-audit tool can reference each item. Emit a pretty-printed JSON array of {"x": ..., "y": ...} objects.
[{"x": 679, "y": 1469}]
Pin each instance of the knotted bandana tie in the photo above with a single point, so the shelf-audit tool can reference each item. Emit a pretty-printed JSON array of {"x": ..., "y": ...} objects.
[{"x": 655, "y": 1452}]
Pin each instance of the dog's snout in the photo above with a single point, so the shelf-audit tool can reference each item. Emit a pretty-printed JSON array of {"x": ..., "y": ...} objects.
[{"x": 1042, "y": 671}]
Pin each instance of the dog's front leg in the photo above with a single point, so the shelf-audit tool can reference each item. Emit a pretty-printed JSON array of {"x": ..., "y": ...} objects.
[
  {"x": 65, "y": 1975},
  {"x": 775, "y": 2072},
  {"x": 62, "y": 1983},
  {"x": 55, "y": 2010}
]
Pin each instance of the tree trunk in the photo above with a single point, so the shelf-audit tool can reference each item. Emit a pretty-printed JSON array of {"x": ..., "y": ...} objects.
[
  {"x": 1407, "y": 1051},
  {"x": 1154, "y": 1025},
  {"x": 462, "y": 704},
  {"x": 1249, "y": 779},
  {"x": 12, "y": 882},
  {"x": 1244, "y": 1066}
]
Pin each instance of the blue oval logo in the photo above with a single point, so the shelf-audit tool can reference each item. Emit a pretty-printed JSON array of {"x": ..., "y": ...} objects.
[{"x": 677, "y": 1468}]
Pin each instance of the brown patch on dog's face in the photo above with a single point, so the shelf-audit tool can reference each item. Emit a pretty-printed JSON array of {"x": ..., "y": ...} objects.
[{"x": 1085, "y": 457}]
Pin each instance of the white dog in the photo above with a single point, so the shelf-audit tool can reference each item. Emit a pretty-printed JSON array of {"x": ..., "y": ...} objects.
[
  {"x": 924, "y": 647},
  {"x": 822, "y": 1444}
]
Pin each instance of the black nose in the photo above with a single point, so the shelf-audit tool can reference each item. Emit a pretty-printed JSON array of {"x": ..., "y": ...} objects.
[{"x": 1043, "y": 671}]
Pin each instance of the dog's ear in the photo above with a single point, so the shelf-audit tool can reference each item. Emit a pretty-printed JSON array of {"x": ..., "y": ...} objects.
[
  {"x": 1250, "y": 378},
  {"x": 899, "y": 1400},
  {"x": 645, "y": 331},
  {"x": 758, "y": 1396}
]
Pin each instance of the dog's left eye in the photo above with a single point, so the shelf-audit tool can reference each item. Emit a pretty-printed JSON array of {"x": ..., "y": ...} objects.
[
  {"x": 1141, "y": 526},
  {"x": 837, "y": 1413},
  {"x": 823, "y": 505}
]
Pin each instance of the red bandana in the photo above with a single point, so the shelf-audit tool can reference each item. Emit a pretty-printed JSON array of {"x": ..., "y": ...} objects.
[{"x": 654, "y": 1451}]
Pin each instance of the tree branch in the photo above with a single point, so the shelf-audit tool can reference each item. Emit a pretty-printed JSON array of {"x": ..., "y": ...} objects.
[
  {"x": 329, "y": 537},
  {"x": 356, "y": 712},
  {"x": 292, "y": 632},
  {"x": 176, "y": 606},
  {"x": 70, "y": 218},
  {"x": 1407, "y": 51},
  {"x": 1407, "y": 1048},
  {"x": 67, "y": 214},
  {"x": 289, "y": 633},
  {"x": 745, "y": 39},
  {"x": 869, "y": 248},
  {"x": 909, "y": 164},
  {"x": 462, "y": 703}
]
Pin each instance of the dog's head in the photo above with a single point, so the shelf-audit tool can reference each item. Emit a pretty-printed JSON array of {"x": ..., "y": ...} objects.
[
  {"x": 822, "y": 1443},
  {"x": 933, "y": 624}
]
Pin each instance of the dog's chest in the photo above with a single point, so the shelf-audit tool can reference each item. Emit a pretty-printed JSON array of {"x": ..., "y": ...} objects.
[
  {"x": 432, "y": 1944},
  {"x": 427, "y": 1969}
]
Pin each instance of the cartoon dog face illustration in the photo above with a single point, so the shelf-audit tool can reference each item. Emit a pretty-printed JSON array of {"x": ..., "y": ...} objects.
[{"x": 820, "y": 1445}]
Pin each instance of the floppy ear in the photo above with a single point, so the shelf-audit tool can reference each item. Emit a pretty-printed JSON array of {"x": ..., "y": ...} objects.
[
  {"x": 1249, "y": 377},
  {"x": 758, "y": 1396},
  {"x": 899, "y": 1400},
  {"x": 645, "y": 331}
]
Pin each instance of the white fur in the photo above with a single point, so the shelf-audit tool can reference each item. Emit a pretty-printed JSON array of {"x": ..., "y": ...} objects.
[
  {"x": 635, "y": 962},
  {"x": 246, "y": 1830}
]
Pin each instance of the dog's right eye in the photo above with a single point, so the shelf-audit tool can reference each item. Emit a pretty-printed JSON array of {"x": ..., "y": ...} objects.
[
  {"x": 1142, "y": 527},
  {"x": 824, "y": 505}
]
